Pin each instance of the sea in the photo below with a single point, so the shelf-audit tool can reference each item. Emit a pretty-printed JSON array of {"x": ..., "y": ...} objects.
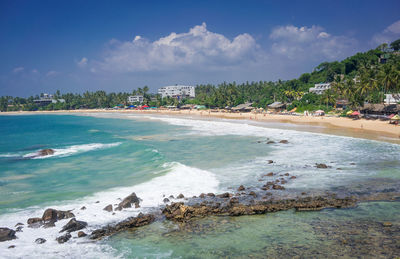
[{"x": 100, "y": 158}]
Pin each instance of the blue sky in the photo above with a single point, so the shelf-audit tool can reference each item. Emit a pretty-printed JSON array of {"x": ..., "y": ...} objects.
[{"x": 76, "y": 46}]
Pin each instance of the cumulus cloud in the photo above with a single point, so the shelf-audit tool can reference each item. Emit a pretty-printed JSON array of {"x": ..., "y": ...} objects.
[
  {"x": 18, "y": 70},
  {"x": 312, "y": 43},
  {"x": 198, "y": 49},
  {"x": 391, "y": 33},
  {"x": 83, "y": 62}
]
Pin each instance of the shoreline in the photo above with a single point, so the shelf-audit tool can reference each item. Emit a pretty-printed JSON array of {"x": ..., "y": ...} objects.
[{"x": 361, "y": 128}]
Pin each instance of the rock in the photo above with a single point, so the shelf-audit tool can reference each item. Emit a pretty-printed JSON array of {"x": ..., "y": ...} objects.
[
  {"x": 132, "y": 222},
  {"x": 52, "y": 215},
  {"x": 270, "y": 174},
  {"x": 128, "y": 201},
  {"x": 166, "y": 200},
  {"x": 293, "y": 177},
  {"x": 253, "y": 194},
  {"x": 64, "y": 238},
  {"x": 323, "y": 166},
  {"x": 270, "y": 161},
  {"x": 284, "y": 141},
  {"x": 34, "y": 221},
  {"x": 224, "y": 195},
  {"x": 278, "y": 187},
  {"x": 283, "y": 182},
  {"x": 171, "y": 196},
  {"x": 19, "y": 229},
  {"x": 19, "y": 224},
  {"x": 352, "y": 163},
  {"x": 83, "y": 208},
  {"x": 241, "y": 188},
  {"x": 210, "y": 194},
  {"x": 180, "y": 196},
  {"x": 7, "y": 234},
  {"x": 108, "y": 208},
  {"x": 46, "y": 152},
  {"x": 40, "y": 241},
  {"x": 387, "y": 224},
  {"x": 287, "y": 174},
  {"x": 11, "y": 246},
  {"x": 271, "y": 142},
  {"x": 203, "y": 195},
  {"x": 97, "y": 202},
  {"x": 73, "y": 225},
  {"x": 81, "y": 234}
]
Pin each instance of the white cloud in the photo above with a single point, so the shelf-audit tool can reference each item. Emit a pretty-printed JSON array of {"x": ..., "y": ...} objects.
[
  {"x": 83, "y": 62},
  {"x": 312, "y": 43},
  {"x": 391, "y": 33},
  {"x": 18, "y": 70},
  {"x": 197, "y": 49},
  {"x": 51, "y": 73}
]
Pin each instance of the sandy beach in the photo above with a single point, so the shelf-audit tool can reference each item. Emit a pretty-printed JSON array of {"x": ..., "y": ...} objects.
[{"x": 361, "y": 128}]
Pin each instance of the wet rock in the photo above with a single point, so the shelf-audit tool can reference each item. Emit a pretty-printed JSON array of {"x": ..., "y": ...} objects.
[
  {"x": 203, "y": 195},
  {"x": 108, "y": 208},
  {"x": 34, "y": 222},
  {"x": 171, "y": 196},
  {"x": 40, "y": 241},
  {"x": 241, "y": 188},
  {"x": 210, "y": 194},
  {"x": 64, "y": 238},
  {"x": 271, "y": 142},
  {"x": 11, "y": 246},
  {"x": 46, "y": 152},
  {"x": 283, "y": 182},
  {"x": 83, "y": 208},
  {"x": 284, "y": 141},
  {"x": 132, "y": 222},
  {"x": 166, "y": 200},
  {"x": 224, "y": 195},
  {"x": 253, "y": 194},
  {"x": 293, "y": 177},
  {"x": 73, "y": 225},
  {"x": 323, "y": 166},
  {"x": 287, "y": 174},
  {"x": 269, "y": 174},
  {"x": 270, "y": 161},
  {"x": 19, "y": 229},
  {"x": 52, "y": 215},
  {"x": 339, "y": 168},
  {"x": 180, "y": 196},
  {"x": 352, "y": 163},
  {"x": 128, "y": 201},
  {"x": 387, "y": 224},
  {"x": 278, "y": 187},
  {"x": 7, "y": 234},
  {"x": 81, "y": 234},
  {"x": 19, "y": 224},
  {"x": 97, "y": 202}
]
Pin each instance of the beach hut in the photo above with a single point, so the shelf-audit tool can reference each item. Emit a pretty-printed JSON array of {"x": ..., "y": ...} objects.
[
  {"x": 277, "y": 106},
  {"x": 319, "y": 113},
  {"x": 245, "y": 107}
]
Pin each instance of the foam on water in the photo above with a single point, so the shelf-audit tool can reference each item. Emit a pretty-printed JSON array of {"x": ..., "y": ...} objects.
[
  {"x": 64, "y": 152},
  {"x": 180, "y": 179}
]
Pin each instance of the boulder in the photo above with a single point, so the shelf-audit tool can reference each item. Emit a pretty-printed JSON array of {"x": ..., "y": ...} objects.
[
  {"x": 83, "y": 208},
  {"x": 203, "y": 195},
  {"x": 270, "y": 161},
  {"x": 253, "y": 194},
  {"x": 73, "y": 225},
  {"x": 271, "y": 142},
  {"x": 81, "y": 234},
  {"x": 40, "y": 241},
  {"x": 52, "y": 215},
  {"x": 241, "y": 188},
  {"x": 46, "y": 152},
  {"x": 269, "y": 174},
  {"x": 19, "y": 229},
  {"x": 108, "y": 208},
  {"x": 224, "y": 195},
  {"x": 210, "y": 194},
  {"x": 19, "y": 224},
  {"x": 284, "y": 141},
  {"x": 287, "y": 174},
  {"x": 64, "y": 238},
  {"x": 278, "y": 187},
  {"x": 180, "y": 196},
  {"x": 7, "y": 234},
  {"x": 322, "y": 166},
  {"x": 293, "y": 177},
  {"x": 166, "y": 200},
  {"x": 128, "y": 201},
  {"x": 11, "y": 246}
]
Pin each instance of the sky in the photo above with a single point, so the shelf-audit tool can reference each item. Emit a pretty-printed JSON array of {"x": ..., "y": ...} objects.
[{"x": 78, "y": 46}]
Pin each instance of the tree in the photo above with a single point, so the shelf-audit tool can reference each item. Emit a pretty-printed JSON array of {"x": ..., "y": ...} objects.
[{"x": 395, "y": 45}]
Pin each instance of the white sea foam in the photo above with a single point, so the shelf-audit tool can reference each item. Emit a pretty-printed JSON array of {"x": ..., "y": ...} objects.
[
  {"x": 63, "y": 152},
  {"x": 180, "y": 179},
  {"x": 9, "y": 155}
]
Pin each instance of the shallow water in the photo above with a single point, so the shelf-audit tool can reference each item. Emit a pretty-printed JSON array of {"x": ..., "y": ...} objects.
[{"x": 104, "y": 157}]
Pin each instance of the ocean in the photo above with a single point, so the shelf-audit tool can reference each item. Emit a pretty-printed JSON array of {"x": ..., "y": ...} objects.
[{"x": 101, "y": 158}]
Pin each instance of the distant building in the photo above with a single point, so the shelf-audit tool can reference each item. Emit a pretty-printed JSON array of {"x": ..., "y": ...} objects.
[
  {"x": 320, "y": 88},
  {"x": 135, "y": 99},
  {"x": 177, "y": 91},
  {"x": 392, "y": 98},
  {"x": 46, "y": 99}
]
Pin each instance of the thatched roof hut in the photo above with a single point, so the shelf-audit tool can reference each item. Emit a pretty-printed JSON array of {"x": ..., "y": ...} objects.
[
  {"x": 245, "y": 107},
  {"x": 277, "y": 106},
  {"x": 380, "y": 108}
]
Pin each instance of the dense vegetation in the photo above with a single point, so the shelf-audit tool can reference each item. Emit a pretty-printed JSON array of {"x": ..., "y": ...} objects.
[{"x": 364, "y": 77}]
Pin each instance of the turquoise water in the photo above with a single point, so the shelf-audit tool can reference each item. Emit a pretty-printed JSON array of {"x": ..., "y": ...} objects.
[{"x": 100, "y": 158}]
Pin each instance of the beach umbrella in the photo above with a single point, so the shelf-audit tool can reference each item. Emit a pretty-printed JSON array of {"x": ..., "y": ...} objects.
[
  {"x": 396, "y": 117},
  {"x": 145, "y": 106},
  {"x": 356, "y": 113},
  {"x": 349, "y": 112},
  {"x": 391, "y": 116}
]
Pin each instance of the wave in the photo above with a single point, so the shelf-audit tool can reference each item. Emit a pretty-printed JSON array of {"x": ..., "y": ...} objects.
[
  {"x": 173, "y": 179},
  {"x": 63, "y": 152}
]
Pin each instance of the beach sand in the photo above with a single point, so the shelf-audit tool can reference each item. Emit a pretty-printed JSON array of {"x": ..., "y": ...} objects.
[{"x": 361, "y": 128}]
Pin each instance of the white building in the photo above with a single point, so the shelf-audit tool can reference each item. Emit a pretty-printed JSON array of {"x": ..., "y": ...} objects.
[
  {"x": 392, "y": 98},
  {"x": 177, "y": 91},
  {"x": 320, "y": 88},
  {"x": 135, "y": 99}
]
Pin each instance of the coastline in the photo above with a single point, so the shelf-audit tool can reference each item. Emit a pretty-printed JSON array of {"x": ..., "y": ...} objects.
[{"x": 367, "y": 129}]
